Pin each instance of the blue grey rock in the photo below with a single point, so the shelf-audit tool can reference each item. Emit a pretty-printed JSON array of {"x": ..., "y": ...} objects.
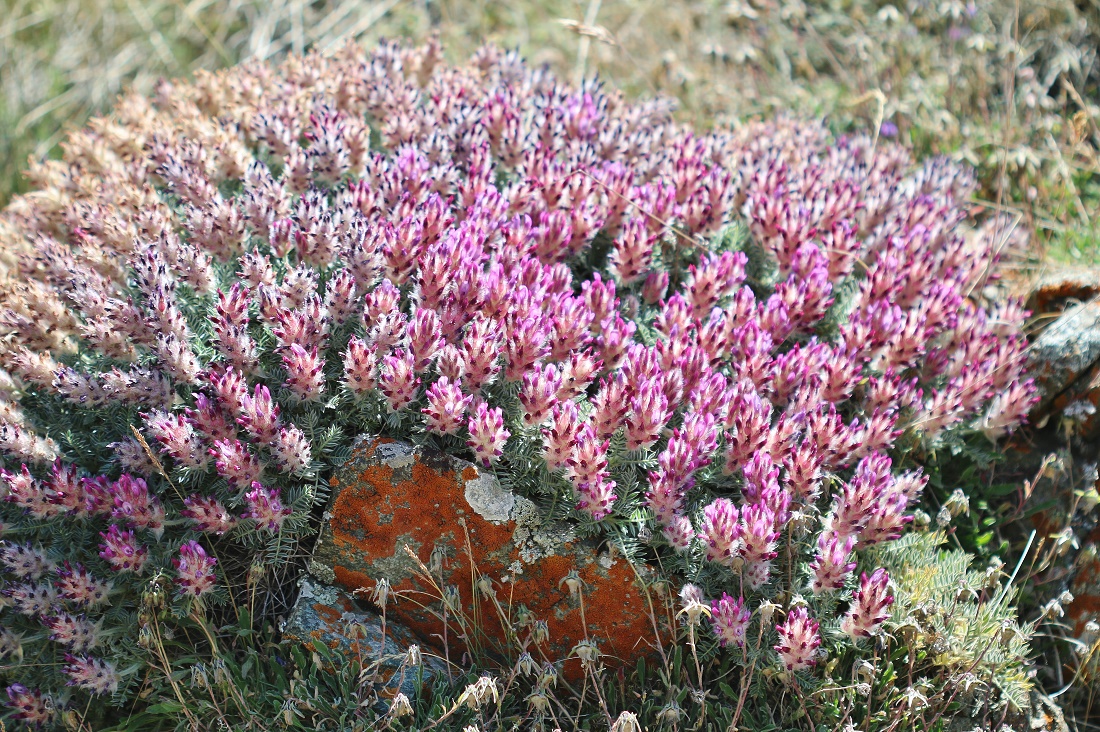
[{"x": 328, "y": 614}]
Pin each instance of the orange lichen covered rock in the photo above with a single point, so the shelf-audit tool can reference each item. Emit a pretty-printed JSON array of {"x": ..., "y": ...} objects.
[
  {"x": 434, "y": 526},
  {"x": 1059, "y": 286}
]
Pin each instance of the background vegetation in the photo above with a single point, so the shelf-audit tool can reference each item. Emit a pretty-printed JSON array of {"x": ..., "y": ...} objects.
[{"x": 1010, "y": 86}]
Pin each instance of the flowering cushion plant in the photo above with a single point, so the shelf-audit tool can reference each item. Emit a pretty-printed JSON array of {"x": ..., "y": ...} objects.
[{"x": 721, "y": 349}]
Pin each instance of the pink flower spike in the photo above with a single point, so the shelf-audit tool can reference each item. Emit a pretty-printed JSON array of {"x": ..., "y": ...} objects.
[
  {"x": 559, "y": 437},
  {"x": 721, "y": 530},
  {"x": 360, "y": 367},
  {"x": 487, "y": 434},
  {"x": 91, "y": 674},
  {"x": 803, "y": 472},
  {"x": 211, "y": 420},
  {"x": 577, "y": 373},
  {"x": 121, "y": 550},
  {"x": 236, "y": 463},
  {"x": 714, "y": 278},
  {"x": 798, "y": 640},
  {"x": 831, "y": 566},
  {"x": 24, "y": 561},
  {"x": 1008, "y": 409},
  {"x": 230, "y": 387},
  {"x": 133, "y": 503},
  {"x": 599, "y": 297},
  {"x": 177, "y": 438},
  {"x": 649, "y": 413},
  {"x": 655, "y": 287},
  {"x": 265, "y": 508},
  {"x": 539, "y": 393},
  {"x": 305, "y": 372},
  {"x": 77, "y": 633},
  {"x": 78, "y": 585},
  {"x": 871, "y": 606},
  {"x": 208, "y": 515},
  {"x": 730, "y": 618},
  {"x": 27, "y": 493},
  {"x": 292, "y": 451},
  {"x": 29, "y": 599},
  {"x": 679, "y": 532},
  {"x": 611, "y": 405},
  {"x": 425, "y": 337},
  {"x": 632, "y": 252},
  {"x": 616, "y": 335},
  {"x": 447, "y": 405},
  {"x": 195, "y": 570},
  {"x": 750, "y": 419},
  {"x": 341, "y": 297},
  {"x": 259, "y": 414},
  {"x": 596, "y": 498},
  {"x": 587, "y": 462},
  {"x": 31, "y": 707},
  {"x": 481, "y": 352},
  {"x": 398, "y": 381}
]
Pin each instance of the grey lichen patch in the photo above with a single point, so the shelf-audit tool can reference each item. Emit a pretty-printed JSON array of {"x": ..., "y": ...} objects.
[
  {"x": 533, "y": 538},
  {"x": 525, "y": 513},
  {"x": 311, "y": 592},
  {"x": 399, "y": 565},
  {"x": 491, "y": 501},
  {"x": 321, "y": 571},
  {"x": 396, "y": 454}
]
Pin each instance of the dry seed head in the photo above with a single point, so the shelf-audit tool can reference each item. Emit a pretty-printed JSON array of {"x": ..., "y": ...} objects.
[
  {"x": 573, "y": 582},
  {"x": 452, "y": 598},
  {"x": 1089, "y": 637},
  {"x": 256, "y": 573},
  {"x": 400, "y": 706},
  {"x": 670, "y": 714},
  {"x": 548, "y": 677},
  {"x": 380, "y": 594},
  {"x": 588, "y": 653},
  {"x": 767, "y": 611},
  {"x": 958, "y": 503},
  {"x": 526, "y": 664},
  {"x": 627, "y": 722},
  {"x": 480, "y": 693},
  {"x": 539, "y": 702},
  {"x": 199, "y": 678},
  {"x": 485, "y": 587}
]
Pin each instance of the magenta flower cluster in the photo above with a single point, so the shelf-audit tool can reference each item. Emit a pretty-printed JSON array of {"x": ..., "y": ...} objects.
[{"x": 520, "y": 264}]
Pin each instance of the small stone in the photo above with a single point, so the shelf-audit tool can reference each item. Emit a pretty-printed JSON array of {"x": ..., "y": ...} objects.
[{"x": 447, "y": 512}]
